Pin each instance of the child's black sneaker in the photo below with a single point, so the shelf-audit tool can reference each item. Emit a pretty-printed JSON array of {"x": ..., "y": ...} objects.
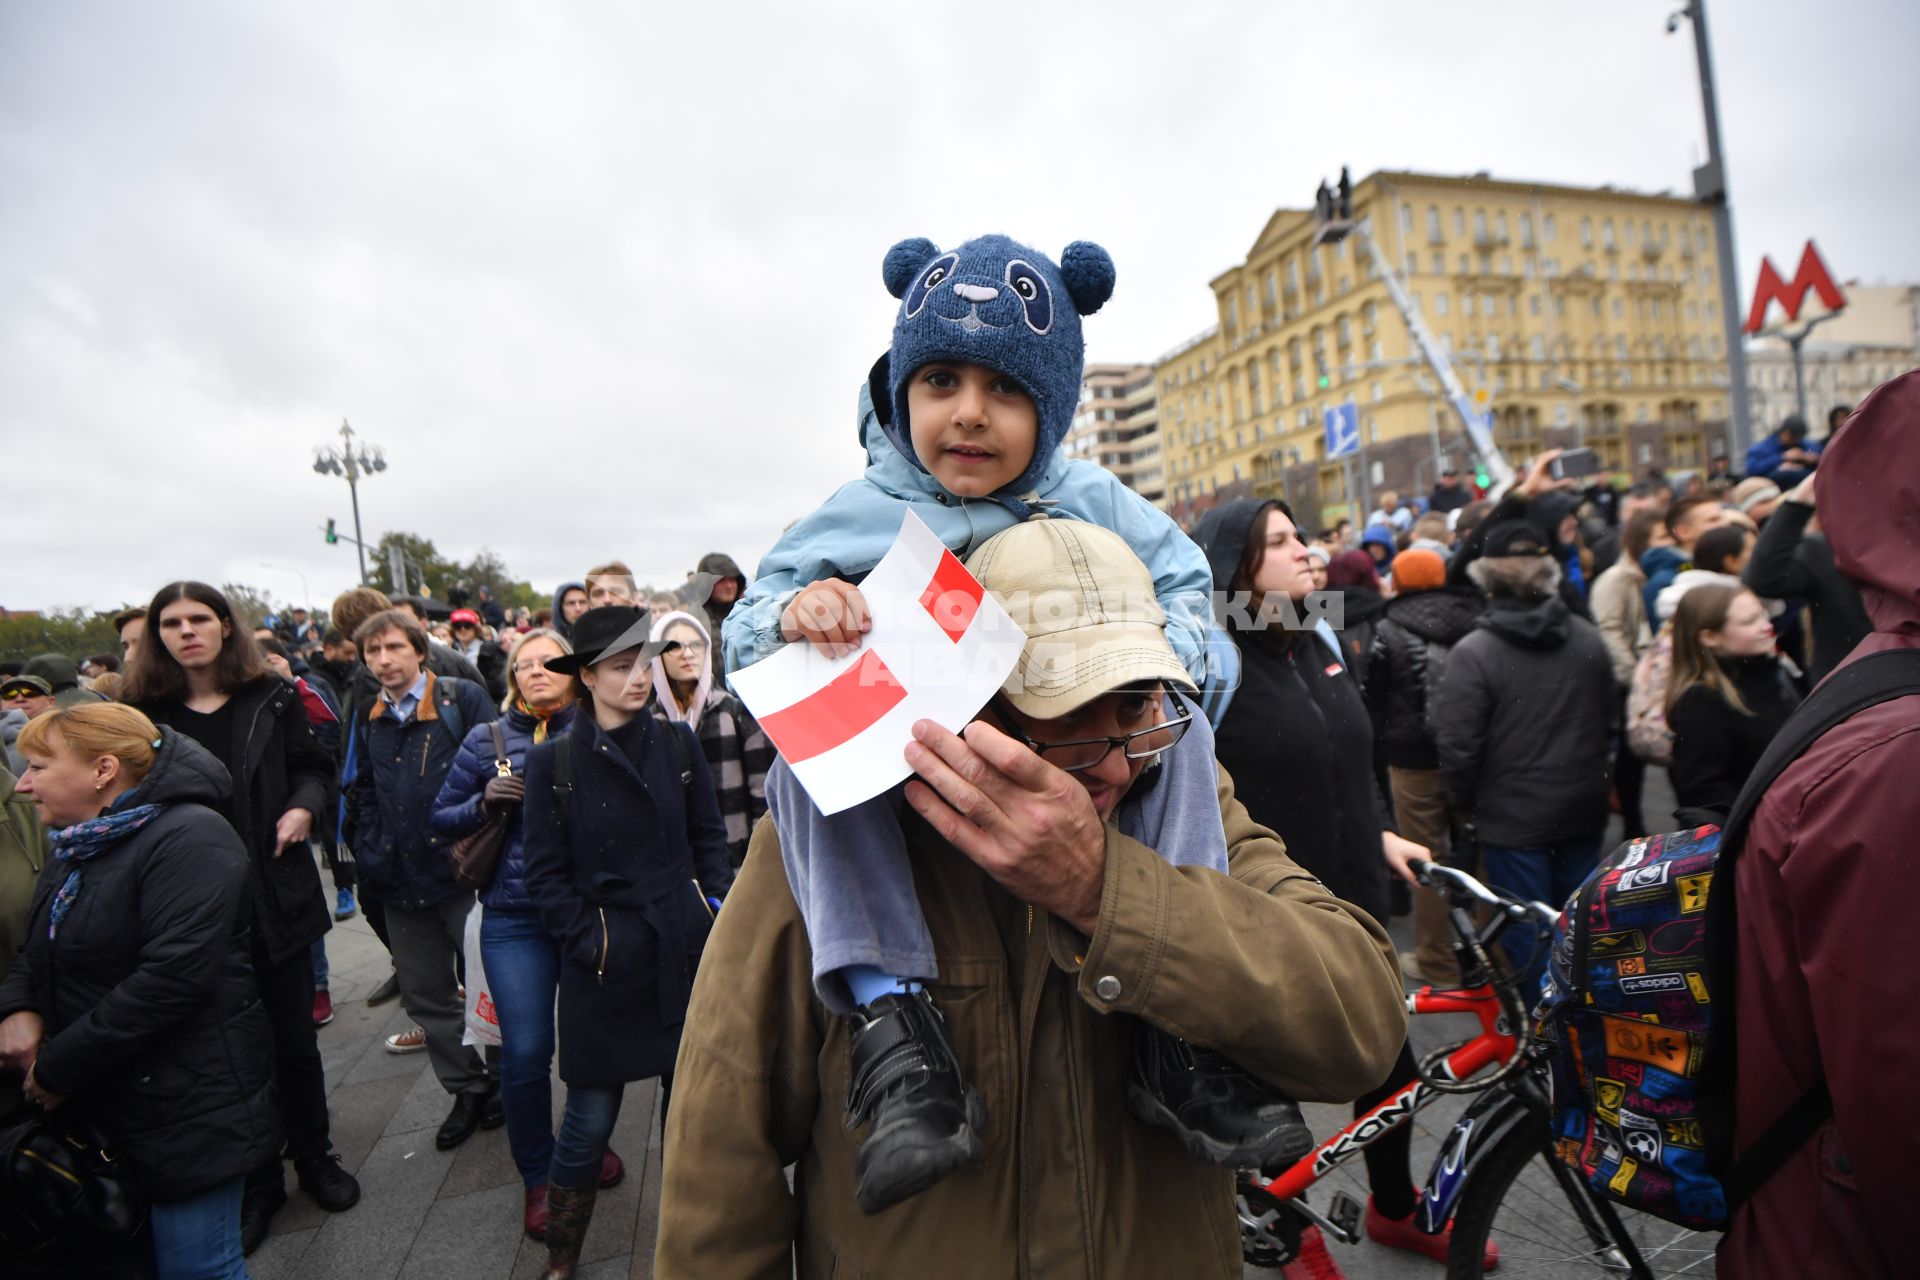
[
  {"x": 925, "y": 1119},
  {"x": 1221, "y": 1112}
]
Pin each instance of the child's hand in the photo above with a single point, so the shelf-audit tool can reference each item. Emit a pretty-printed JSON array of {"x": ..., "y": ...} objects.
[{"x": 829, "y": 614}]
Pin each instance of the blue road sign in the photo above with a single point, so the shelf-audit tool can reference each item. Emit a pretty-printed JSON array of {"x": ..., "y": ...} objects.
[{"x": 1343, "y": 429}]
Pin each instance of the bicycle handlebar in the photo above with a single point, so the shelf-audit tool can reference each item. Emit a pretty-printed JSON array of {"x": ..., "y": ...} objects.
[{"x": 1434, "y": 876}]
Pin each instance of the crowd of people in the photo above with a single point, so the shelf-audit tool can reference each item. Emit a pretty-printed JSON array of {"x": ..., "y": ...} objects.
[{"x": 1023, "y": 1013}]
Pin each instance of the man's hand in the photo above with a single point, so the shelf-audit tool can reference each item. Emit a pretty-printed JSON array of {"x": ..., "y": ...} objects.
[
  {"x": 1027, "y": 824},
  {"x": 1539, "y": 478},
  {"x": 294, "y": 827},
  {"x": 20, "y": 1036},
  {"x": 829, "y": 614},
  {"x": 1802, "y": 493},
  {"x": 1400, "y": 853}
]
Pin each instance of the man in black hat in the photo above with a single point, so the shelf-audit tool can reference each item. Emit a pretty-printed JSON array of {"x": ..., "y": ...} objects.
[{"x": 1522, "y": 722}]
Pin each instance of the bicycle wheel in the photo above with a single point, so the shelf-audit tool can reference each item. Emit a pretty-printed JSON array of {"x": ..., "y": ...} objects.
[{"x": 1550, "y": 1227}]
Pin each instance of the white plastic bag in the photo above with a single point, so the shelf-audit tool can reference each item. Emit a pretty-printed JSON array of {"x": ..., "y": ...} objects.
[{"x": 483, "y": 1020}]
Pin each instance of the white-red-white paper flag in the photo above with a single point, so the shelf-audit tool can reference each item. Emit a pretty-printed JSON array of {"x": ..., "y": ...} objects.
[{"x": 939, "y": 647}]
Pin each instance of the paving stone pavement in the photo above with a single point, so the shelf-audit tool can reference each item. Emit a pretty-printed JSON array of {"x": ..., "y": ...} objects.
[{"x": 426, "y": 1214}]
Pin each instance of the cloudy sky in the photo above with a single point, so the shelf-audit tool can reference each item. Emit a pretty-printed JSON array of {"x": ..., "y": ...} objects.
[{"x": 603, "y": 278}]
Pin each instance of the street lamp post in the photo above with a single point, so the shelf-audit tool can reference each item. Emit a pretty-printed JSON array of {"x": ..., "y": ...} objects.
[
  {"x": 352, "y": 462},
  {"x": 1710, "y": 187}
]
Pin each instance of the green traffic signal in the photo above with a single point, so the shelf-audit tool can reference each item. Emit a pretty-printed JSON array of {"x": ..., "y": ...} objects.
[
  {"x": 1325, "y": 382},
  {"x": 332, "y": 537}
]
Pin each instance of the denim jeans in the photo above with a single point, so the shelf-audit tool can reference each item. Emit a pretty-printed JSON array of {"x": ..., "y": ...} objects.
[
  {"x": 523, "y": 973},
  {"x": 1547, "y": 873},
  {"x": 585, "y": 1130},
  {"x": 199, "y": 1239},
  {"x": 317, "y": 955}
]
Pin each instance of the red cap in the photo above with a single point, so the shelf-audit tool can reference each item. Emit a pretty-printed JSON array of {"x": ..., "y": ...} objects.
[{"x": 465, "y": 615}]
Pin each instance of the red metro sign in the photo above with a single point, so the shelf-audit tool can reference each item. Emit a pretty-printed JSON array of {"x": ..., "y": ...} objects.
[{"x": 1811, "y": 275}]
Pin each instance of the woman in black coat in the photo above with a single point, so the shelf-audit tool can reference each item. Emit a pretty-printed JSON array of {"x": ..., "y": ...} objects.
[
  {"x": 201, "y": 674},
  {"x": 1729, "y": 695},
  {"x": 626, "y": 859},
  {"x": 132, "y": 1003},
  {"x": 1298, "y": 742}
]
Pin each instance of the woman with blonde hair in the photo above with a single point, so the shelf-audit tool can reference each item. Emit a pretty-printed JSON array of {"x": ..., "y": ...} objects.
[
  {"x": 521, "y": 961},
  {"x": 1728, "y": 695},
  {"x": 132, "y": 1004}
]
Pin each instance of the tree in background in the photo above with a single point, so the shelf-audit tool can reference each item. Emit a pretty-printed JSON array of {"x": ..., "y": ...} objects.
[
  {"x": 77, "y": 633},
  {"x": 443, "y": 576}
]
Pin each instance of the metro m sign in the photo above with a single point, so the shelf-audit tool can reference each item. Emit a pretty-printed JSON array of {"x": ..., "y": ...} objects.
[{"x": 1811, "y": 274}]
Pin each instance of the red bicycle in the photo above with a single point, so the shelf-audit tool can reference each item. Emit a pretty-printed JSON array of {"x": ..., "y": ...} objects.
[{"x": 1495, "y": 1177}]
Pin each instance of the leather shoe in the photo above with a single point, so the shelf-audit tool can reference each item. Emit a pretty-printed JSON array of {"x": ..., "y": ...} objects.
[
  {"x": 258, "y": 1203},
  {"x": 533, "y": 1220},
  {"x": 924, "y": 1119},
  {"x": 612, "y": 1171},
  {"x": 461, "y": 1121},
  {"x": 1220, "y": 1112},
  {"x": 332, "y": 1187},
  {"x": 494, "y": 1114},
  {"x": 388, "y": 990}
]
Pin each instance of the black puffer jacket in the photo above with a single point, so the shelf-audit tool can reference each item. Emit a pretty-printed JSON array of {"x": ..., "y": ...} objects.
[
  {"x": 153, "y": 1025},
  {"x": 279, "y": 767},
  {"x": 1525, "y": 713},
  {"x": 1297, "y": 740},
  {"x": 1410, "y": 649}
]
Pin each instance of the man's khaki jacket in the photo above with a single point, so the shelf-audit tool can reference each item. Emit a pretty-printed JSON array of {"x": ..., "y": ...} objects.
[{"x": 1263, "y": 964}]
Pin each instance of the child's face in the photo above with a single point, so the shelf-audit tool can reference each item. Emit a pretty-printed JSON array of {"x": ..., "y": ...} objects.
[{"x": 973, "y": 428}]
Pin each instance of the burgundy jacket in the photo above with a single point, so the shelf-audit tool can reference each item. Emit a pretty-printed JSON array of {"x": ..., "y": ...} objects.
[{"x": 1827, "y": 884}]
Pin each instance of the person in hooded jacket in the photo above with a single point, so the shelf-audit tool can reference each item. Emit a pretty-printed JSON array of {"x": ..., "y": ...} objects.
[
  {"x": 132, "y": 1003},
  {"x": 686, "y": 691},
  {"x": 202, "y": 675},
  {"x": 1352, "y": 574},
  {"x": 1379, "y": 542},
  {"x": 569, "y": 602},
  {"x": 1548, "y": 505},
  {"x": 626, "y": 861},
  {"x": 718, "y": 585},
  {"x": 1523, "y": 728},
  {"x": 1824, "y": 969},
  {"x": 522, "y": 961},
  {"x": 1298, "y": 742},
  {"x": 1417, "y": 630},
  {"x": 1728, "y": 696}
]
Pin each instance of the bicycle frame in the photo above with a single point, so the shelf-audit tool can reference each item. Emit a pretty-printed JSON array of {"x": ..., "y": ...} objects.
[{"x": 1499, "y": 1044}]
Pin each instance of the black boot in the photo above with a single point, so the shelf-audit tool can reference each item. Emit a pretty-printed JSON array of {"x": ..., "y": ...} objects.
[
  {"x": 263, "y": 1195},
  {"x": 925, "y": 1118},
  {"x": 1221, "y": 1112}
]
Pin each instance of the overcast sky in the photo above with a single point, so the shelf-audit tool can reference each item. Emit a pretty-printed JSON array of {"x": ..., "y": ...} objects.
[{"x": 603, "y": 278}]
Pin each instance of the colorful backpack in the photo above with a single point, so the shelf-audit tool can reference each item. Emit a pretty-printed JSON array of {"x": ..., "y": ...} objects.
[
  {"x": 1637, "y": 999},
  {"x": 1647, "y": 731}
]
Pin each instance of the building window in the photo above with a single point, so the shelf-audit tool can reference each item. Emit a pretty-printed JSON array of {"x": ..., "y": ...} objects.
[
  {"x": 1459, "y": 221},
  {"x": 1440, "y": 304},
  {"x": 1618, "y": 309},
  {"x": 1465, "y": 267},
  {"x": 1506, "y": 265},
  {"x": 1560, "y": 415},
  {"x": 1502, "y": 224},
  {"x": 1533, "y": 304},
  {"x": 1630, "y": 236},
  {"x": 1413, "y": 264},
  {"x": 1479, "y": 223},
  {"x": 1433, "y": 223},
  {"x": 1552, "y": 229},
  {"x": 1586, "y": 232},
  {"x": 1606, "y": 235},
  {"x": 1560, "y": 307},
  {"x": 1406, "y": 219},
  {"x": 1466, "y": 304},
  {"x": 1526, "y": 230}
]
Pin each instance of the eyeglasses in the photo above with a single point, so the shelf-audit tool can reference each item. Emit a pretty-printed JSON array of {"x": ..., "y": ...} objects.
[
  {"x": 1082, "y": 754},
  {"x": 17, "y": 695},
  {"x": 685, "y": 646}
]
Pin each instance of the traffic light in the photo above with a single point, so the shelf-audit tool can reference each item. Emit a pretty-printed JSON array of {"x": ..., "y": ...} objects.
[
  {"x": 1480, "y": 476},
  {"x": 332, "y": 537},
  {"x": 1320, "y": 364}
]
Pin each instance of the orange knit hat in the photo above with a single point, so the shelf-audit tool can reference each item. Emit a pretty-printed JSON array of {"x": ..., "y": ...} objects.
[{"x": 1418, "y": 569}]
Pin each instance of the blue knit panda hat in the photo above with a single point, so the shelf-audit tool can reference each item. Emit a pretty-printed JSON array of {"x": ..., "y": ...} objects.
[{"x": 997, "y": 303}]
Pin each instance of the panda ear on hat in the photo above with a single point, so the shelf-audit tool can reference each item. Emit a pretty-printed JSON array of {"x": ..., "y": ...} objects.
[
  {"x": 1088, "y": 272},
  {"x": 903, "y": 263}
]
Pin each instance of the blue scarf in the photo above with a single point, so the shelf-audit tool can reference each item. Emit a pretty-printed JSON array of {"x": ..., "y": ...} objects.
[{"x": 83, "y": 842}]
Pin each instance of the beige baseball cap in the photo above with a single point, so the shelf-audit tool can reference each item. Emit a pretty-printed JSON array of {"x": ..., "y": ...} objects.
[{"x": 1088, "y": 608}]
